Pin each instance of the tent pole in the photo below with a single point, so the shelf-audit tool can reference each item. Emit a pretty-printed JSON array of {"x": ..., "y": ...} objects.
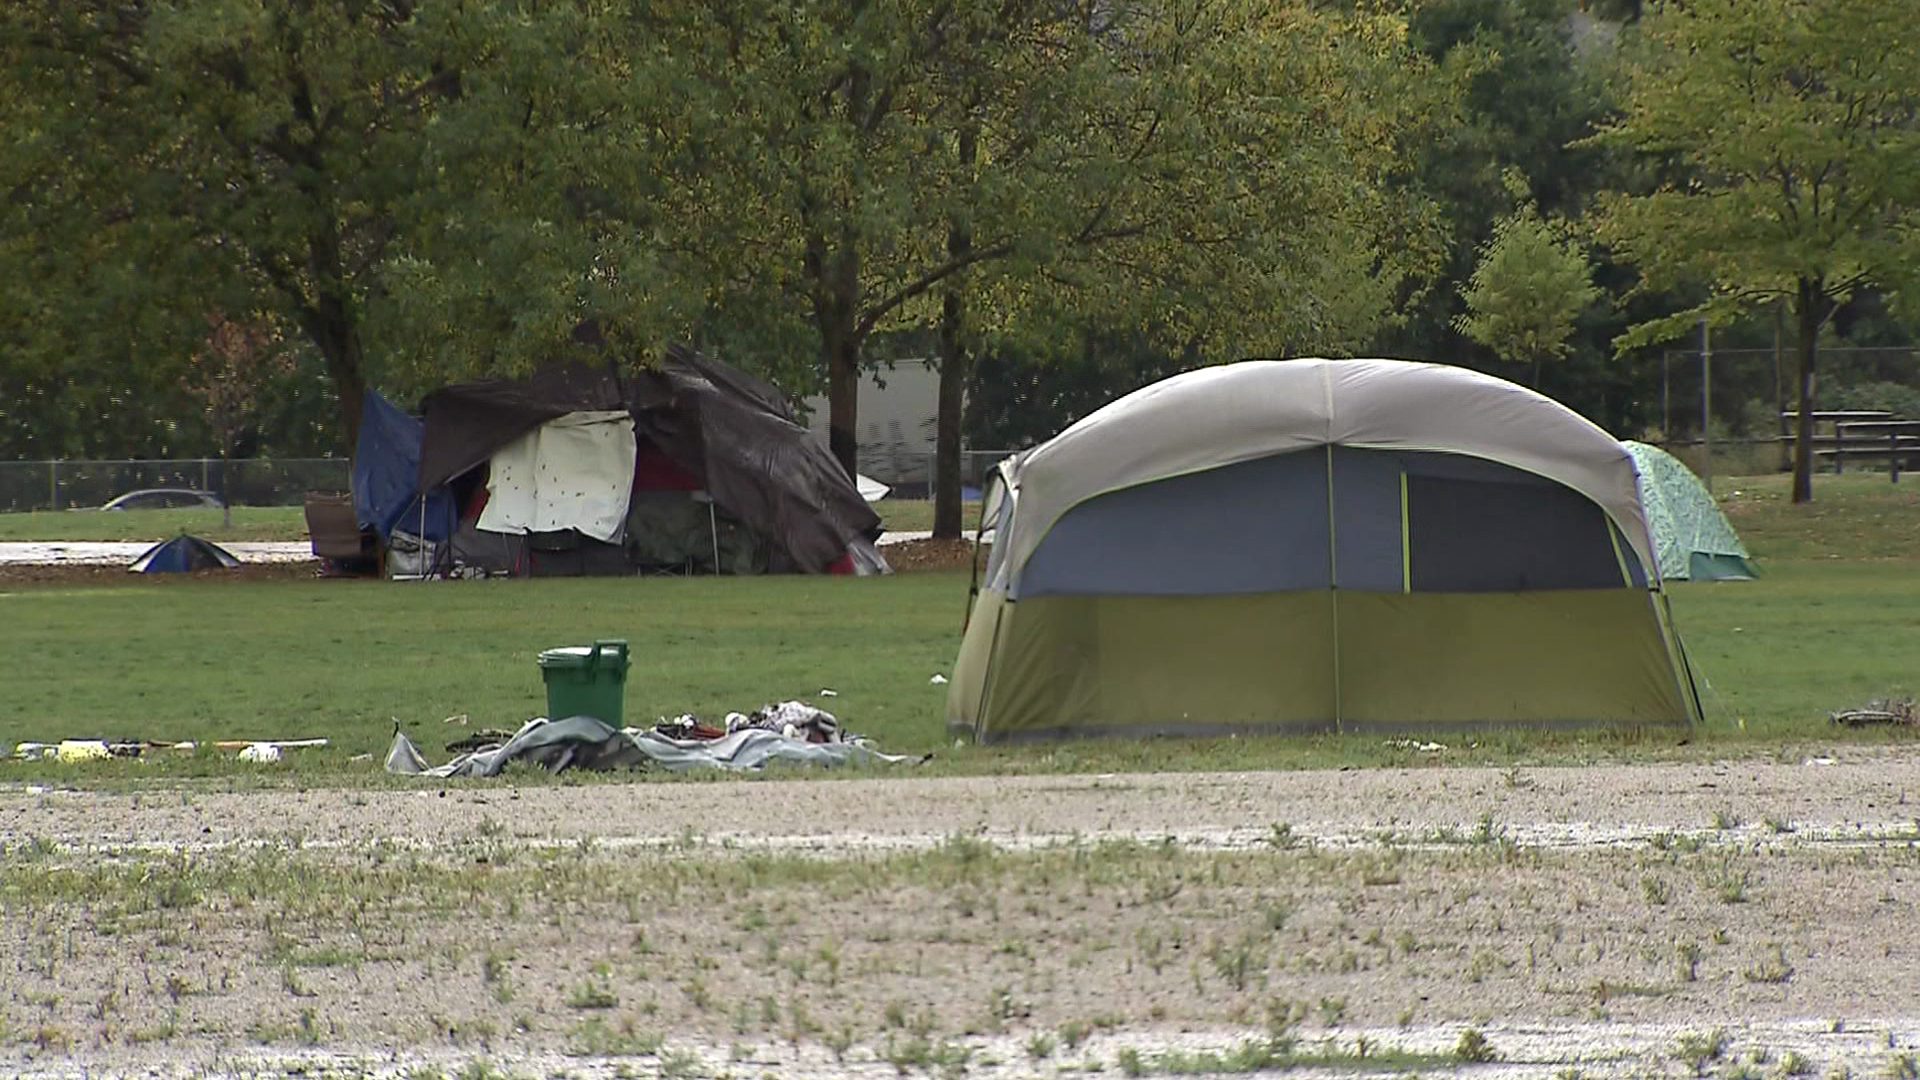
[
  {"x": 1333, "y": 587},
  {"x": 713, "y": 530}
]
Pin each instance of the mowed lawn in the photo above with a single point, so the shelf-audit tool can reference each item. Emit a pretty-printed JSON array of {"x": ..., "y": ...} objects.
[{"x": 1832, "y": 624}]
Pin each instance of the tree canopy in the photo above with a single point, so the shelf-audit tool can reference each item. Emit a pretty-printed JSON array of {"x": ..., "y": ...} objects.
[
  {"x": 1531, "y": 285},
  {"x": 1786, "y": 163},
  {"x": 1058, "y": 202},
  {"x": 318, "y": 162}
]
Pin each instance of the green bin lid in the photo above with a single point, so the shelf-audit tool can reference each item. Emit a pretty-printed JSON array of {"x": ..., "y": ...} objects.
[{"x": 574, "y": 656}]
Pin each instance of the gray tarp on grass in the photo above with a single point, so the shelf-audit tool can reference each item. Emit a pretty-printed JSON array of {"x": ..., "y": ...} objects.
[{"x": 587, "y": 743}]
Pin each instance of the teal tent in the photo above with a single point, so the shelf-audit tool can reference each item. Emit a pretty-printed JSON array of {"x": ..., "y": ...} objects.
[{"x": 1691, "y": 537}]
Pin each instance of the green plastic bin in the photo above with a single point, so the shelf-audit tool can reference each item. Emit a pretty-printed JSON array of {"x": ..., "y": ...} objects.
[{"x": 587, "y": 680}]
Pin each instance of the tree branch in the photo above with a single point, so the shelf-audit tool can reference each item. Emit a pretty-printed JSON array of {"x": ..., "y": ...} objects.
[{"x": 928, "y": 280}]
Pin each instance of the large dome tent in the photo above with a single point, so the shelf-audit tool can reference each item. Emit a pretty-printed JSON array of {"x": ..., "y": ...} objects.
[{"x": 1319, "y": 546}]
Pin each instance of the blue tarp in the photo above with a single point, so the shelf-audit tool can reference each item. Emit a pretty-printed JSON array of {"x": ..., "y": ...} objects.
[{"x": 386, "y": 464}]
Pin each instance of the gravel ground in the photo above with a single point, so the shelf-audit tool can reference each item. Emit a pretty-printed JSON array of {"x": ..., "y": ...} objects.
[{"x": 1627, "y": 920}]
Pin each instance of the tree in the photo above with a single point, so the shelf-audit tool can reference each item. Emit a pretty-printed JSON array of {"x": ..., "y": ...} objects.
[
  {"x": 1787, "y": 153},
  {"x": 1529, "y": 288},
  {"x": 1533, "y": 86},
  {"x": 325, "y": 162},
  {"x": 1162, "y": 217},
  {"x": 230, "y": 376},
  {"x": 987, "y": 166}
]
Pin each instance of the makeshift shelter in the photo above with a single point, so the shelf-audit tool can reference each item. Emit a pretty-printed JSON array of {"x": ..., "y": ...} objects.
[
  {"x": 580, "y": 468},
  {"x": 386, "y": 466},
  {"x": 1318, "y": 546},
  {"x": 183, "y": 553},
  {"x": 1693, "y": 540}
]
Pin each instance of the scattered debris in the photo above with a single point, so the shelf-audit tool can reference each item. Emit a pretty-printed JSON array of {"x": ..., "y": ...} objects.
[
  {"x": 1415, "y": 744},
  {"x": 479, "y": 740},
  {"x": 937, "y": 679},
  {"x": 1893, "y": 711},
  {"x": 791, "y": 732},
  {"x": 97, "y": 749}
]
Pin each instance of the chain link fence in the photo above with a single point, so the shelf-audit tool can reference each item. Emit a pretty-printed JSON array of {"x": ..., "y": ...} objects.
[
  {"x": 67, "y": 485},
  {"x": 1739, "y": 394},
  {"x": 1721, "y": 410}
]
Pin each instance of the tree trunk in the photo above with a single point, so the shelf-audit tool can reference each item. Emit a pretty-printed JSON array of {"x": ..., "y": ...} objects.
[
  {"x": 956, "y": 358},
  {"x": 843, "y": 400},
  {"x": 331, "y": 328},
  {"x": 838, "y": 318},
  {"x": 956, "y": 363},
  {"x": 328, "y": 316},
  {"x": 1807, "y": 307},
  {"x": 1780, "y": 384},
  {"x": 836, "y": 306}
]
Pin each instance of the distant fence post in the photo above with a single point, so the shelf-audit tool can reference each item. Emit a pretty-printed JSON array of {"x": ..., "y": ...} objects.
[{"x": 53, "y": 485}]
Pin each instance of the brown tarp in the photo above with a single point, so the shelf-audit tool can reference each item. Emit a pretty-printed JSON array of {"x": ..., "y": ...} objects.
[{"x": 728, "y": 429}]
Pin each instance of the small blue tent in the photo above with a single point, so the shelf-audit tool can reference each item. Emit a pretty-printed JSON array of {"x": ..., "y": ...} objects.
[
  {"x": 386, "y": 469},
  {"x": 183, "y": 553}
]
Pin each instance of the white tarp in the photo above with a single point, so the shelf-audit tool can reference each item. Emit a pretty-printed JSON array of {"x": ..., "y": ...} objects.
[{"x": 573, "y": 472}]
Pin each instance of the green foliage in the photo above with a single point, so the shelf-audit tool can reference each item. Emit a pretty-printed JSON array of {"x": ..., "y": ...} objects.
[
  {"x": 1781, "y": 136},
  {"x": 1530, "y": 286},
  {"x": 1531, "y": 90},
  {"x": 328, "y": 166},
  {"x": 1785, "y": 163},
  {"x": 1896, "y": 398},
  {"x": 1474, "y": 1048}
]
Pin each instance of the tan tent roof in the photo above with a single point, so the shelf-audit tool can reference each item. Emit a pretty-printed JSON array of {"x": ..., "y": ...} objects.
[{"x": 1257, "y": 408}]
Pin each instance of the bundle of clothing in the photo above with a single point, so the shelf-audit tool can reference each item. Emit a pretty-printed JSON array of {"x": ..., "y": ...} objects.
[{"x": 794, "y": 719}]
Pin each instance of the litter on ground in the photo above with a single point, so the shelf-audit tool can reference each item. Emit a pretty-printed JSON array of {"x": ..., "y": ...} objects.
[
  {"x": 97, "y": 749},
  {"x": 1893, "y": 711},
  {"x": 790, "y": 732}
]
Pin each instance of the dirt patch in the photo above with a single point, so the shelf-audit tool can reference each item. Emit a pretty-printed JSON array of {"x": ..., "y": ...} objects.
[
  {"x": 1605, "y": 919},
  {"x": 911, "y": 555},
  {"x": 95, "y": 574}
]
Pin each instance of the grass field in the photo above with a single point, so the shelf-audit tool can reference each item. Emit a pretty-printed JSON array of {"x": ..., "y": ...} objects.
[
  {"x": 287, "y": 522},
  {"x": 1831, "y": 625}
]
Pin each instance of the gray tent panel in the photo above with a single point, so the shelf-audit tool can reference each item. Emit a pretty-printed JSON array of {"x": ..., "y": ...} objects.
[
  {"x": 1506, "y": 534},
  {"x": 1367, "y": 520},
  {"x": 1256, "y": 526}
]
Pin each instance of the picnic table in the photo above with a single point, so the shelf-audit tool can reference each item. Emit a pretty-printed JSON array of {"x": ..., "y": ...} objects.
[{"x": 1882, "y": 437}]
